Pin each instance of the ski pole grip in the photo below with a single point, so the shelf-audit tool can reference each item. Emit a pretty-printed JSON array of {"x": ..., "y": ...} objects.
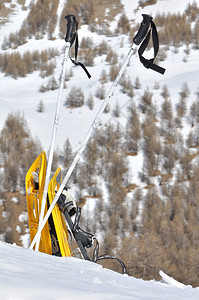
[
  {"x": 71, "y": 28},
  {"x": 142, "y": 31}
]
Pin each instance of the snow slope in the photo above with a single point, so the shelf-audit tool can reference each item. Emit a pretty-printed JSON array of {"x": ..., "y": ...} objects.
[
  {"x": 22, "y": 94},
  {"x": 161, "y": 6},
  {"x": 29, "y": 275}
]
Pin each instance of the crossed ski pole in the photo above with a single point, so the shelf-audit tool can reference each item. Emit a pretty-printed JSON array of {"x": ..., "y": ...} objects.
[{"x": 141, "y": 34}]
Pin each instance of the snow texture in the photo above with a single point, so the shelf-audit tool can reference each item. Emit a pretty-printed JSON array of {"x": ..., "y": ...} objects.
[{"x": 29, "y": 275}]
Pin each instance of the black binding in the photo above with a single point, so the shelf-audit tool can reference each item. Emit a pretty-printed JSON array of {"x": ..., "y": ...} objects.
[{"x": 87, "y": 240}]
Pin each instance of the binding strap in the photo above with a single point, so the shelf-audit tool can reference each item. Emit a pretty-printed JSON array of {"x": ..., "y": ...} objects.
[
  {"x": 106, "y": 256},
  {"x": 92, "y": 239},
  {"x": 77, "y": 219},
  {"x": 74, "y": 61},
  {"x": 148, "y": 63}
]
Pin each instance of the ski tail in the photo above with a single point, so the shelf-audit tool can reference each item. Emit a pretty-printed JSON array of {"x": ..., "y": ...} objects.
[{"x": 35, "y": 180}]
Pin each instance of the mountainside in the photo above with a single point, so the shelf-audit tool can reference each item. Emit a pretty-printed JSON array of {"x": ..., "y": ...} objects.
[
  {"x": 16, "y": 98},
  {"x": 138, "y": 177}
]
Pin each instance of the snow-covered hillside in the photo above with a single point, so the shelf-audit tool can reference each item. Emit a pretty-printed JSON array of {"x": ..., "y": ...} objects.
[
  {"x": 23, "y": 95},
  {"x": 25, "y": 274},
  {"x": 29, "y": 275}
]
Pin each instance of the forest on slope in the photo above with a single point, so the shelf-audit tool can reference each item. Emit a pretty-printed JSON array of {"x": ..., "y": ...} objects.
[{"x": 152, "y": 226}]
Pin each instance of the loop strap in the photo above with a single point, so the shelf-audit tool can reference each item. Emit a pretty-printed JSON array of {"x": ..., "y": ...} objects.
[
  {"x": 148, "y": 63},
  {"x": 106, "y": 256},
  {"x": 74, "y": 61}
]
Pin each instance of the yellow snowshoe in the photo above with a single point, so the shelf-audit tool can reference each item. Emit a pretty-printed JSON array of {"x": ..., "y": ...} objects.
[{"x": 35, "y": 180}]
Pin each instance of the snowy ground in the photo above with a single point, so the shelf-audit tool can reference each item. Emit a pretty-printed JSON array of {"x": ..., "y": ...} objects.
[{"x": 29, "y": 275}]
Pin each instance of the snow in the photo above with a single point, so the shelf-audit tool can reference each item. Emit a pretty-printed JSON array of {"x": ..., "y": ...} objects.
[
  {"x": 25, "y": 239},
  {"x": 29, "y": 275},
  {"x": 25, "y": 274},
  {"x": 6, "y": 215},
  {"x": 1, "y": 202},
  {"x": 2, "y": 237},
  {"x": 15, "y": 199},
  {"x": 15, "y": 20},
  {"x": 171, "y": 280},
  {"x": 162, "y": 6},
  {"x": 23, "y": 217},
  {"x": 18, "y": 229},
  {"x": 59, "y": 11}
]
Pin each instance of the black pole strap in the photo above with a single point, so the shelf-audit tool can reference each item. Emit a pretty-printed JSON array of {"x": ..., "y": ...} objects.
[
  {"x": 71, "y": 37},
  {"x": 148, "y": 63}
]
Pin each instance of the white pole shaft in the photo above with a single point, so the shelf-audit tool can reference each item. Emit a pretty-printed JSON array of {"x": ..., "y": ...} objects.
[
  {"x": 82, "y": 147},
  {"x": 52, "y": 144}
]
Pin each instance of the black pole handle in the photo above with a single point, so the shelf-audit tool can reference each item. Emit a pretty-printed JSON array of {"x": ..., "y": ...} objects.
[
  {"x": 143, "y": 29},
  {"x": 71, "y": 28}
]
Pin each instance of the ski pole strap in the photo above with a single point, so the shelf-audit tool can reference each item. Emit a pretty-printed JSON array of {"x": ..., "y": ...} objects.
[
  {"x": 106, "y": 256},
  {"x": 71, "y": 37},
  {"x": 148, "y": 63}
]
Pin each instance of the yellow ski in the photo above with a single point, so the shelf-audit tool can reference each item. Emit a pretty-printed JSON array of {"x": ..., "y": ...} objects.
[{"x": 35, "y": 180}]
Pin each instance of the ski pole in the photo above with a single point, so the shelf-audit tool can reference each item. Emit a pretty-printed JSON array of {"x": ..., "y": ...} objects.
[
  {"x": 143, "y": 29},
  {"x": 70, "y": 35}
]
